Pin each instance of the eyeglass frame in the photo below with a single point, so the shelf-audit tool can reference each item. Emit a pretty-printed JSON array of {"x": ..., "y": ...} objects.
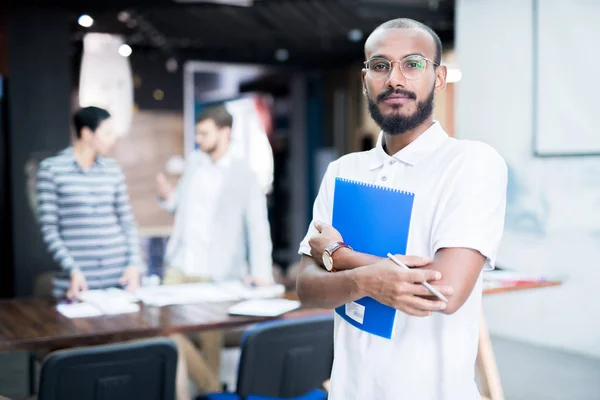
[{"x": 399, "y": 65}]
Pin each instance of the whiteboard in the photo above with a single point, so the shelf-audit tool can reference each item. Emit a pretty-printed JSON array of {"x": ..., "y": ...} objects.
[{"x": 566, "y": 39}]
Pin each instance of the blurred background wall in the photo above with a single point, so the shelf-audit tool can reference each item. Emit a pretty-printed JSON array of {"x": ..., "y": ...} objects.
[{"x": 553, "y": 223}]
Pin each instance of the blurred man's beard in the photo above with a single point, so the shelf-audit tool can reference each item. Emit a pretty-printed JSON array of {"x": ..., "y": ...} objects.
[
  {"x": 396, "y": 123},
  {"x": 212, "y": 149}
]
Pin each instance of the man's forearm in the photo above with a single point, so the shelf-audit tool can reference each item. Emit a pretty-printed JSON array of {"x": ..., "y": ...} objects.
[
  {"x": 319, "y": 288},
  {"x": 345, "y": 258},
  {"x": 460, "y": 268}
]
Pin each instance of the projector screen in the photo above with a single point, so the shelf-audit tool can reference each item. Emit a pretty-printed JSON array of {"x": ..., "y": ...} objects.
[{"x": 566, "y": 83}]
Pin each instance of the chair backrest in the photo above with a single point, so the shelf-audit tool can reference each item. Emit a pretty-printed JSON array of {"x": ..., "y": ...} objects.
[
  {"x": 123, "y": 371},
  {"x": 286, "y": 358}
]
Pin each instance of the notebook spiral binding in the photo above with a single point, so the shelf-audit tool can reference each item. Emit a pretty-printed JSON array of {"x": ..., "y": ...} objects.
[{"x": 375, "y": 186}]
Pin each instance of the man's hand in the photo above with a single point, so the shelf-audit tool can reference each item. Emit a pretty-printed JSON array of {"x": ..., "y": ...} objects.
[
  {"x": 78, "y": 285},
  {"x": 164, "y": 187},
  {"x": 401, "y": 289},
  {"x": 130, "y": 279},
  {"x": 320, "y": 241}
]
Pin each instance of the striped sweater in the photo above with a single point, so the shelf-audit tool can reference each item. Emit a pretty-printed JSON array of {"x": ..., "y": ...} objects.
[{"x": 86, "y": 220}]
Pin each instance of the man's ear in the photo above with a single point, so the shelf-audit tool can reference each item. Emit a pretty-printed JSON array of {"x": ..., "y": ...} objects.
[
  {"x": 363, "y": 75},
  {"x": 226, "y": 131},
  {"x": 440, "y": 79},
  {"x": 86, "y": 133}
]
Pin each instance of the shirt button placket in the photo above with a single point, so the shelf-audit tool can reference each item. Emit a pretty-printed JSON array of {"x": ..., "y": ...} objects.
[{"x": 384, "y": 175}]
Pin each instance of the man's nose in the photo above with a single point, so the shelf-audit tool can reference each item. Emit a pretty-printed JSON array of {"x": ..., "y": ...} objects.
[{"x": 396, "y": 78}]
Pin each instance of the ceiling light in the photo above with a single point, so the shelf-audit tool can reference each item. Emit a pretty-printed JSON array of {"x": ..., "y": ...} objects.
[
  {"x": 172, "y": 65},
  {"x": 355, "y": 35},
  {"x": 125, "y": 50},
  {"x": 85, "y": 20},
  {"x": 433, "y": 5},
  {"x": 158, "y": 95},
  {"x": 123, "y": 16},
  {"x": 282, "y": 55},
  {"x": 137, "y": 81}
]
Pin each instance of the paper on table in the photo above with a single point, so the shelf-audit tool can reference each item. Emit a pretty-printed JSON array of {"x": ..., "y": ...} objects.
[
  {"x": 78, "y": 310},
  {"x": 493, "y": 284},
  {"x": 506, "y": 275},
  {"x": 264, "y": 307},
  {"x": 110, "y": 294},
  {"x": 90, "y": 309},
  {"x": 187, "y": 293},
  {"x": 100, "y": 302},
  {"x": 251, "y": 292},
  {"x": 118, "y": 306},
  {"x": 111, "y": 301},
  {"x": 190, "y": 293}
]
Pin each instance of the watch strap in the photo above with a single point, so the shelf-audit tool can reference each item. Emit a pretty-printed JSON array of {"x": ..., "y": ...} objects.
[{"x": 333, "y": 247}]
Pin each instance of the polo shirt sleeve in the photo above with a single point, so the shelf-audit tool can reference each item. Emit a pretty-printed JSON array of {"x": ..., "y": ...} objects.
[
  {"x": 473, "y": 214},
  {"x": 323, "y": 206}
]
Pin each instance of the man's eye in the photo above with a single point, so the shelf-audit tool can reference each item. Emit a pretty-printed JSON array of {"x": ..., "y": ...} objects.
[{"x": 380, "y": 66}]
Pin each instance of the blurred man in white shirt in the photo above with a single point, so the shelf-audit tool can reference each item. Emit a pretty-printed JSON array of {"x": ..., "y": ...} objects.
[{"x": 221, "y": 231}]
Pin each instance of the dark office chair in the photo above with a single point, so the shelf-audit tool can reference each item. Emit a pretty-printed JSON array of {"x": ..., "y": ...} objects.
[
  {"x": 284, "y": 359},
  {"x": 124, "y": 371}
]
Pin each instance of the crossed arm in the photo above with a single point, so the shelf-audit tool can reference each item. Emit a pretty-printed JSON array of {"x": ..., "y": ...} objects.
[
  {"x": 453, "y": 271},
  {"x": 466, "y": 234}
]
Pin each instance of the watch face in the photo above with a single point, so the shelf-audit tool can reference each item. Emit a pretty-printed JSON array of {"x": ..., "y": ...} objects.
[{"x": 327, "y": 261}]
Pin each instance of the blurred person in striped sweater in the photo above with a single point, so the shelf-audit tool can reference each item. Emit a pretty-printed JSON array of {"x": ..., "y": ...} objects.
[{"x": 84, "y": 211}]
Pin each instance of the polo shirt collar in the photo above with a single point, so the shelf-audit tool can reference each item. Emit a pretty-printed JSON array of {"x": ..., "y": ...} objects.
[
  {"x": 68, "y": 152},
  {"x": 418, "y": 149}
]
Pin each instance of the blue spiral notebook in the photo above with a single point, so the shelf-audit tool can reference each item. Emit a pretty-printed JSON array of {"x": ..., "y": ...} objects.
[{"x": 373, "y": 220}]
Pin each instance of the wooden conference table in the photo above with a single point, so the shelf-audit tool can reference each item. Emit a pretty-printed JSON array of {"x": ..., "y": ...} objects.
[{"x": 34, "y": 323}]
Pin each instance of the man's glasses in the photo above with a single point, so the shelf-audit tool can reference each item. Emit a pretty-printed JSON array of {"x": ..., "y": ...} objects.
[{"x": 412, "y": 67}]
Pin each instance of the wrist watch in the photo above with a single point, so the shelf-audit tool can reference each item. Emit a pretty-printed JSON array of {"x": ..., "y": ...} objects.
[{"x": 328, "y": 254}]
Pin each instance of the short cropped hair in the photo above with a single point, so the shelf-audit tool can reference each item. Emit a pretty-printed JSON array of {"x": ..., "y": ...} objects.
[
  {"x": 219, "y": 114},
  {"x": 89, "y": 117},
  {"x": 406, "y": 23}
]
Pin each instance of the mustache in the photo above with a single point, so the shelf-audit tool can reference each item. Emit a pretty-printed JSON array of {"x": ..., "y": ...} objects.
[{"x": 384, "y": 95}]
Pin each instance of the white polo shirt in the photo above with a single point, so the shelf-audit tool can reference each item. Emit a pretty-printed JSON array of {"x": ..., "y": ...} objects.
[{"x": 460, "y": 199}]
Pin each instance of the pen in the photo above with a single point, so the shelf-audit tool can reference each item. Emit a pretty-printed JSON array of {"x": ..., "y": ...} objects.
[{"x": 426, "y": 284}]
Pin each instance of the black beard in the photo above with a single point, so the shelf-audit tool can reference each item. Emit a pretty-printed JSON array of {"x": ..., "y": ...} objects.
[{"x": 397, "y": 124}]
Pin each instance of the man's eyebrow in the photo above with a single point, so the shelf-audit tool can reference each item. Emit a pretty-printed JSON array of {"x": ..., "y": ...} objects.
[
  {"x": 379, "y": 56},
  {"x": 416, "y": 54},
  {"x": 388, "y": 58}
]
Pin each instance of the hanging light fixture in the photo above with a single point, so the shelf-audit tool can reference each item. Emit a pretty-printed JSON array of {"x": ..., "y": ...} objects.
[{"x": 106, "y": 80}]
